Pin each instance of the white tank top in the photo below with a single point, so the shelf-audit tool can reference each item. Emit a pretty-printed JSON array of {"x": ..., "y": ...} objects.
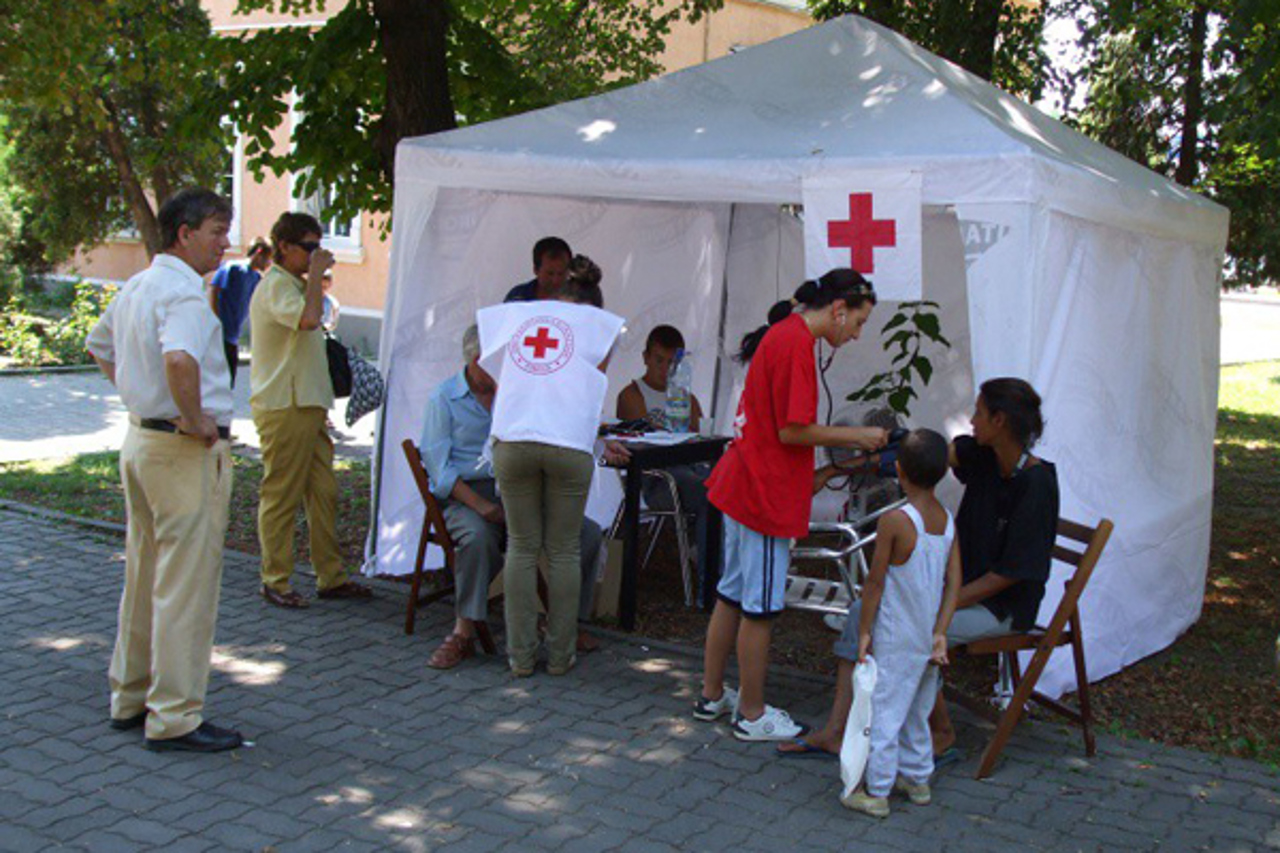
[
  {"x": 545, "y": 356},
  {"x": 655, "y": 401},
  {"x": 913, "y": 594}
]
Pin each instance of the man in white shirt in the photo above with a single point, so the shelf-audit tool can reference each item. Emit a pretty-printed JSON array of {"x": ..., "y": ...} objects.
[{"x": 161, "y": 347}]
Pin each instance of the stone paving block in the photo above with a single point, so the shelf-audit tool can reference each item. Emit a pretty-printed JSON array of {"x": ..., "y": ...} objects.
[
  {"x": 359, "y": 748},
  {"x": 71, "y": 828},
  {"x": 21, "y": 839}
]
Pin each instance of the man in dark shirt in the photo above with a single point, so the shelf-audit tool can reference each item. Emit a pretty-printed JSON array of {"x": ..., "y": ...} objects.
[
  {"x": 550, "y": 269},
  {"x": 229, "y": 295}
]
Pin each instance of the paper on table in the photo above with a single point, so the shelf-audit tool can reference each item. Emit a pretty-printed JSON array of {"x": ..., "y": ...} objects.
[{"x": 660, "y": 438}]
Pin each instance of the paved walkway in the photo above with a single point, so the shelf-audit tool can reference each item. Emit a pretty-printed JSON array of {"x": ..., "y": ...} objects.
[
  {"x": 1250, "y": 328},
  {"x": 46, "y": 415},
  {"x": 360, "y": 747}
]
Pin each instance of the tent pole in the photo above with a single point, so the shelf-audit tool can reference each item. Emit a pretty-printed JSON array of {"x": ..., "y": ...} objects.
[{"x": 724, "y": 312}]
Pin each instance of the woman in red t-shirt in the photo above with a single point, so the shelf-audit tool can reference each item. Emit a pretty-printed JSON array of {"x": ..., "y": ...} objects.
[{"x": 764, "y": 487}]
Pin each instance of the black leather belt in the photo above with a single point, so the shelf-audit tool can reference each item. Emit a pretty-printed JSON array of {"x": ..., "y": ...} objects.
[{"x": 168, "y": 426}]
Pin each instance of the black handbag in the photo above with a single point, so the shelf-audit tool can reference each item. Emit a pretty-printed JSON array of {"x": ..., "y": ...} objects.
[{"x": 339, "y": 366}]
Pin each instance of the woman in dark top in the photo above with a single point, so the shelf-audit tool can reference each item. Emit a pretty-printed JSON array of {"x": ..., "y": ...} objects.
[
  {"x": 1006, "y": 525},
  {"x": 1005, "y": 530}
]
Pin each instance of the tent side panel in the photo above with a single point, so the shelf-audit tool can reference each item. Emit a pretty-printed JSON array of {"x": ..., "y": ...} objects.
[
  {"x": 998, "y": 243},
  {"x": 1126, "y": 334},
  {"x": 662, "y": 263}
]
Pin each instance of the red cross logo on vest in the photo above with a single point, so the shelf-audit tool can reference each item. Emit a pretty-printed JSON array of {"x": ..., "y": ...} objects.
[
  {"x": 861, "y": 234},
  {"x": 541, "y": 342},
  {"x": 542, "y": 345}
]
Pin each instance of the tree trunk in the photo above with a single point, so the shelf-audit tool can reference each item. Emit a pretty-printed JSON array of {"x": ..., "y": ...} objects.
[
  {"x": 144, "y": 217},
  {"x": 413, "y": 37},
  {"x": 979, "y": 55},
  {"x": 1193, "y": 98}
]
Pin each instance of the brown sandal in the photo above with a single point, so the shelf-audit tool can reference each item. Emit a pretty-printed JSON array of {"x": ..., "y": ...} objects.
[
  {"x": 287, "y": 599},
  {"x": 350, "y": 589},
  {"x": 453, "y": 651}
]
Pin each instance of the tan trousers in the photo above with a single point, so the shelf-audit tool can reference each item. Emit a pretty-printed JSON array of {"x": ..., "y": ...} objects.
[
  {"x": 297, "y": 468},
  {"x": 544, "y": 492},
  {"x": 177, "y": 495}
]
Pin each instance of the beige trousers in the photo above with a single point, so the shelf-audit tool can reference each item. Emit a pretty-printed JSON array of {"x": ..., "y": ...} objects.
[
  {"x": 544, "y": 492},
  {"x": 177, "y": 495},
  {"x": 297, "y": 468}
]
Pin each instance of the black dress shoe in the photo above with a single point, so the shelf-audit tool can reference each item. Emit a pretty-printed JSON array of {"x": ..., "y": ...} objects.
[
  {"x": 125, "y": 724},
  {"x": 207, "y": 738}
]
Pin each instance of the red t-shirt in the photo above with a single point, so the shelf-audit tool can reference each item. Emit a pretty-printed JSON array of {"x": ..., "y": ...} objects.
[{"x": 761, "y": 482}]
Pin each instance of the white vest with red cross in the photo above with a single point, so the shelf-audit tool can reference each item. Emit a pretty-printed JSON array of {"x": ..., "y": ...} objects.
[{"x": 546, "y": 356}]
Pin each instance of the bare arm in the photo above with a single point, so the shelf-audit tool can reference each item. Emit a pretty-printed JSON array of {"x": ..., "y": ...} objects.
[
  {"x": 313, "y": 311},
  {"x": 887, "y": 531},
  {"x": 631, "y": 404},
  {"x": 820, "y": 435},
  {"x": 824, "y": 475},
  {"x": 182, "y": 372},
  {"x": 983, "y": 588},
  {"x": 695, "y": 416},
  {"x": 108, "y": 368},
  {"x": 950, "y": 595},
  {"x": 467, "y": 496}
]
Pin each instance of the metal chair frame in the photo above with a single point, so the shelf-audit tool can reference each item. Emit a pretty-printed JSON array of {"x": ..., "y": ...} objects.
[
  {"x": 656, "y": 519},
  {"x": 823, "y": 595}
]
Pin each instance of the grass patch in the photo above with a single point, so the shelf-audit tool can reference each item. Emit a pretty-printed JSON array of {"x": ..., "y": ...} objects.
[{"x": 88, "y": 486}]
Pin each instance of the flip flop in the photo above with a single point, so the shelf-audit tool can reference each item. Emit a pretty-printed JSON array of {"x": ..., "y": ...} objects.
[
  {"x": 950, "y": 755},
  {"x": 803, "y": 749}
]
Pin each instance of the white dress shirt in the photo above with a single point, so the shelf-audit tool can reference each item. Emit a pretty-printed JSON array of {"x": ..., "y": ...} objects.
[{"x": 160, "y": 310}]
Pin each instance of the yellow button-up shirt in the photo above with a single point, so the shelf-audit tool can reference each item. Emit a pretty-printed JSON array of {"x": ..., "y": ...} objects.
[{"x": 289, "y": 366}]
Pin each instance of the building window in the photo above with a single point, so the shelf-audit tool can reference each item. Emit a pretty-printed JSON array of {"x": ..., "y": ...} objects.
[
  {"x": 337, "y": 233},
  {"x": 231, "y": 182}
]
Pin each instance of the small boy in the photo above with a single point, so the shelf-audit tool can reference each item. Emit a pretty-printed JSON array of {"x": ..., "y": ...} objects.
[{"x": 907, "y": 603}]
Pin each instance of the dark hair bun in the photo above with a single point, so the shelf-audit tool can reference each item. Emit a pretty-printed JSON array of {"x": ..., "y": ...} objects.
[{"x": 807, "y": 293}]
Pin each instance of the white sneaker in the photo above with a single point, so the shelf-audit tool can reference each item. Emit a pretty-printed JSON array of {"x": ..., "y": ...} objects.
[
  {"x": 773, "y": 724},
  {"x": 919, "y": 795},
  {"x": 860, "y": 801},
  {"x": 709, "y": 710}
]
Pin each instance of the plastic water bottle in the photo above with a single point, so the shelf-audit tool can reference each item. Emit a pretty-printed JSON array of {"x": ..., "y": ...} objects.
[{"x": 679, "y": 407}]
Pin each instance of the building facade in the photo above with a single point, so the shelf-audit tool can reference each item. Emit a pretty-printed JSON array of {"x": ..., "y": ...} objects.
[{"x": 362, "y": 253}]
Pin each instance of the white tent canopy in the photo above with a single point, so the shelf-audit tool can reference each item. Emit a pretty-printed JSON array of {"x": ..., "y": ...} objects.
[{"x": 1053, "y": 258}]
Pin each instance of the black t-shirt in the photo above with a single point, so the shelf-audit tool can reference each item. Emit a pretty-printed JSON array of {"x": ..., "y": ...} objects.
[{"x": 1006, "y": 526}]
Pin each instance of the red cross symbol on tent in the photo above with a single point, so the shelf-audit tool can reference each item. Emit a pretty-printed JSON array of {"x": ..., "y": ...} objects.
[
  {"x": 541, "y": 342},
  {"x": 861, "y": 234}
]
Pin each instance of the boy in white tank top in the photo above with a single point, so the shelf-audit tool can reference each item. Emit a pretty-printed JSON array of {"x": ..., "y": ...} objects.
[{"x": 907, "y": 603}]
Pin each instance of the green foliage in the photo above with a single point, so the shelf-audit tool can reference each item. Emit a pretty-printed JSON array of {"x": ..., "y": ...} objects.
[
  {"x": 1135, "y": 73},
  {"x": 32, "y": 340},
  {"x": 503, "y": 57},
  {"x": 909, "y": 331},
  {"x": 100, "y": 97},
  {"x": 1009, "y": 52},
  {"x": 12, "y": 209}
]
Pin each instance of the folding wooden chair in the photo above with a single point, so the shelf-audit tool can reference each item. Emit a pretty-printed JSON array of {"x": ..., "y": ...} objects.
[
  {"x": 433, "y": 532},
  {"x": 1063, "y": 630}
]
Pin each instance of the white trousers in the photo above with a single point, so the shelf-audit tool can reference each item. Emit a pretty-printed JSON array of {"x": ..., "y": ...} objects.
[{"x": 906, "y": 688}]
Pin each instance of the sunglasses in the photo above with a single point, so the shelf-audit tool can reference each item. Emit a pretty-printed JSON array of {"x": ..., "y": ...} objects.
[{"x": 308, "y": 246}]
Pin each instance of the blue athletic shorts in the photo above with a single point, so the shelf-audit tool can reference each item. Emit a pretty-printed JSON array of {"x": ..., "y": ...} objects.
[{"x": 755, "y": 571}]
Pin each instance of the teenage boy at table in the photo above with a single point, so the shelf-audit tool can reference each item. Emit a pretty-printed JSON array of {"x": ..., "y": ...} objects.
[{"x": 646, "y": 398}]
